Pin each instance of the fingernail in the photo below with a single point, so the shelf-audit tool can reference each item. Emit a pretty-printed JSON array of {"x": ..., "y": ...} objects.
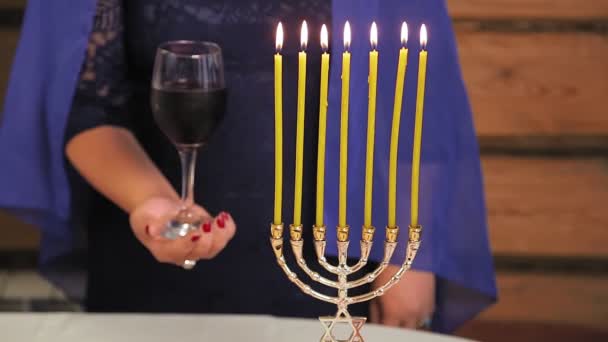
[
  {"x": 225, "y": 216},
  {"x": 196, "y": 238},
  {"x": 207, "y": 227},
  {"x": 148, "y": 230},
  {"x": 220, "y": 222}
]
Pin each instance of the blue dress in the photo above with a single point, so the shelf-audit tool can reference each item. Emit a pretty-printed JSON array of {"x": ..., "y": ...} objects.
[{"x": 92, "y": 67}]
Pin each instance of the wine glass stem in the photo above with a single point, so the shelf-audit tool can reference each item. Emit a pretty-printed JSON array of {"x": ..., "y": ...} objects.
[{"x": 187, "y": 156}]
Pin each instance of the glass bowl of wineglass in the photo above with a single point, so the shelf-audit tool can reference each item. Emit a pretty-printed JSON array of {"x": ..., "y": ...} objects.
[{"x": 188, "y": 99}]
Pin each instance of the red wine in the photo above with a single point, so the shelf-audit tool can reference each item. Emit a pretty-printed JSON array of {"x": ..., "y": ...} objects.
[{"x": 188, "y": 116}]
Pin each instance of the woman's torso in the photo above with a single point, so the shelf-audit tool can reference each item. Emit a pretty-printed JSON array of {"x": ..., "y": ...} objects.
[{"x": 235, "y": 171}]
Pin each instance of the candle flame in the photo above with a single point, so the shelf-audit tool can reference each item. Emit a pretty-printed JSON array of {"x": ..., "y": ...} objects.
[
  {"x": 404, "y": 34},
  {"x": 279, "y": 41},
  {"x": 423, "y": 37},
  {"x": 324, "y": 38},
  {"x": 304, "y": 36},
  {"x": 373, "y": 36},
  {"x": 347, "y": 36}
]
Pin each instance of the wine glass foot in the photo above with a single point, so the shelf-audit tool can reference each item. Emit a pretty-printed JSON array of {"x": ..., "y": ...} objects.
[
  {"x": 176, "y": 230},
  {"x": 181, "y": 225}
]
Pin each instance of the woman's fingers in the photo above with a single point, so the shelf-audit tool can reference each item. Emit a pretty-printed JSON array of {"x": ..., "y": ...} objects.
[
  {"x": 410, "y": 301},
  {"x": 149, "y": 221},
  {"x": 202, "y": 243},
  {"x": 226, "y": 228},
  {"x": 171, "y": 251},
  {"x": 374, "y": 312},
  {"x": 391, "y": 321},
  {"x": 216, "y": 236},
  {"x": 410, "y": 324}
]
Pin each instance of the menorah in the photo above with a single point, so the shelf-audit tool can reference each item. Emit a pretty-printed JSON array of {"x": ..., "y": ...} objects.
[{"x": 342, "y": 270}]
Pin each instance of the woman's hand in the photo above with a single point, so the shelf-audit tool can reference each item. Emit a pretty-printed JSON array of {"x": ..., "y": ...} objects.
[
  {"x": 408, "y": 303},
  {"x": 148, "y": 221}
]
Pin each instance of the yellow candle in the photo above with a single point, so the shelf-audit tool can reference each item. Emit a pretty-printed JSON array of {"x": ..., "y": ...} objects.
[
  {"x": 392, "y": 169},
  {"x": 371, "y": 126},
  {"x": 278, "y": 127},
  {"x": 344, "y": 127},
  {"x": 322, "y": 126},
  {"x": 418, "y": 126},
  {"x": 297, "y": 202}
]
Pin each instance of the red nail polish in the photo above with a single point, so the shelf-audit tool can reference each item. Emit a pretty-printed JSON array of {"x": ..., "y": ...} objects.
[
  {"x": 225, "y": 216},
  {"x": 196, "y": 238},
  {"x": 207, "y": 228},
  {"x": 220, "y": 223}
]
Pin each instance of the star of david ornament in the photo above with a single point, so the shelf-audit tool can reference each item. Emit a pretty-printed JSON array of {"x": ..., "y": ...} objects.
[{"x": 341, "y": 318}]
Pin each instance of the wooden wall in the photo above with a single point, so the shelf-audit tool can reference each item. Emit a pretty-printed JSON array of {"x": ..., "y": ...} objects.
[
  {"x": 14, "y": 236},
  {"x": 537, "y": 75}
]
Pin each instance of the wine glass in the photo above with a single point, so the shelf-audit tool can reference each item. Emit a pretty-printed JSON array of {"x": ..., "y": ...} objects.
[{"x": 188, "y": 99}]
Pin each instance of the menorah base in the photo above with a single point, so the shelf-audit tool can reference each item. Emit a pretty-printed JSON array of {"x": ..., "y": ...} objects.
[{"x": 342, "y": 318}]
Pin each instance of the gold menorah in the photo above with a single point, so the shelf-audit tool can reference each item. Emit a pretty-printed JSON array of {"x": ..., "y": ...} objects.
[{"x": 342, "y": 270}]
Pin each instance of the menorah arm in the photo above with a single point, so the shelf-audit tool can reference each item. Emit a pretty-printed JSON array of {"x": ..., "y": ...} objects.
[
  {"x": 366, "y": 247},
  {"x": 320, "y": 250},
  {"x": 297, "y": 247},
  {"x": 277, "y": 246},
  {"x": 389, "y": 249},
  {"x": 412, "y": 249}
]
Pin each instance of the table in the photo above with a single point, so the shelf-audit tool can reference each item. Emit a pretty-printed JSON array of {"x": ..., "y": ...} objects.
[{"x": 81, "y": 327}]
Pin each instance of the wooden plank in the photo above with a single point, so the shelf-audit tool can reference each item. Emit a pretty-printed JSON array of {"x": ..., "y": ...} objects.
[
  {"x": 8, "y": 44},
  {"x": 27, "y": 285},
  {"x": 547, "y": 207},
  {"x": 546, "y": 9},
  {"x": 552, "y": 9},
  {"x": 504, "y": 331},
  {"x": 493, "y": 9},
  {"x": 535, "y": 84},
  {"x": 562, "y": 145},
  {"x": 12, "y": 4},
  {"x": 17, "y": 236},
  {"x": 578, "y": 300}
]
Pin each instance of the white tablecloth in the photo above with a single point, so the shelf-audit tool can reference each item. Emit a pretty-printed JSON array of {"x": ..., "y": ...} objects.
[{"x": 64, "y": 327}]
